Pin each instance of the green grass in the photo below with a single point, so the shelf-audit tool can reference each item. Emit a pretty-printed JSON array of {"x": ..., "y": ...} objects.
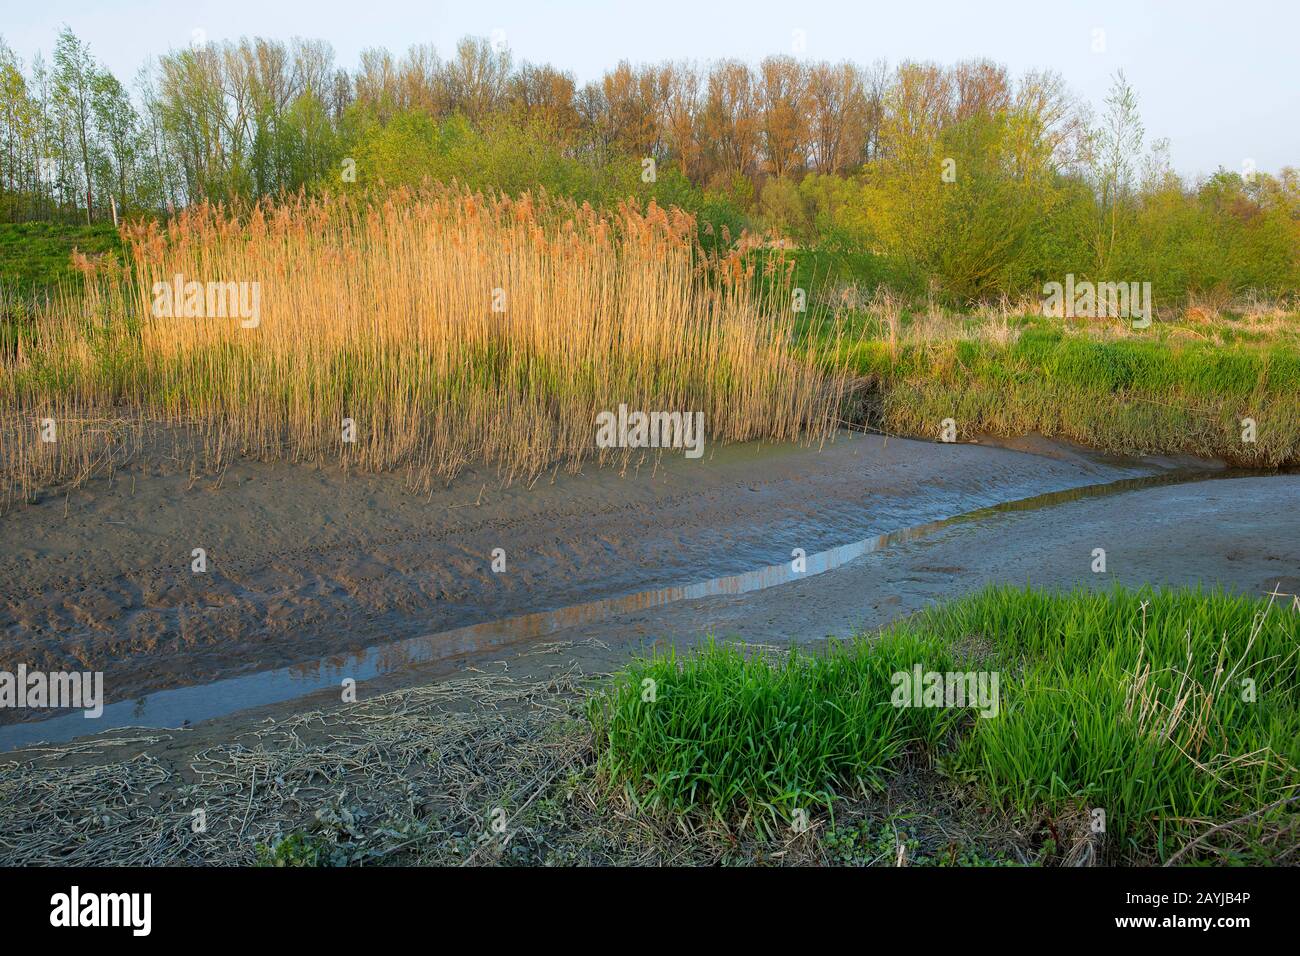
[
  {"x": 1164, "y": 394},
  {"x": 739, "y": 735},
  {"x": 1170, "y": 711},
  {"x": 36, "y": 257},
  {"x": 1216, "y": 674}
]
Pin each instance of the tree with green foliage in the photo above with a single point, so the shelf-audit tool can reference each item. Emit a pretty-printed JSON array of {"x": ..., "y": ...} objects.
[{"x": 75, "y": 78}]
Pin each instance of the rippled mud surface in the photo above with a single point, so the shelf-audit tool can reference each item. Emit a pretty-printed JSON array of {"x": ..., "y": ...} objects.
[{"x": 314, "y": 576}]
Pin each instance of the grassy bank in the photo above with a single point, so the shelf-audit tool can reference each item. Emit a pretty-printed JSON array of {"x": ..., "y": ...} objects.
[
  {"x": 1182, "y": 386},
  {"x": 1137, "y": 719},
  {"x": 37, "y": 257}
]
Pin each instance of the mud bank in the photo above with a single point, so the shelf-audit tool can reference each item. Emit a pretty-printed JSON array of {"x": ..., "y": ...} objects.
[
  {"x": 582, "y": 539},
  {"x": 304, "y": 563},
  {"x": 443, "y": 732}
]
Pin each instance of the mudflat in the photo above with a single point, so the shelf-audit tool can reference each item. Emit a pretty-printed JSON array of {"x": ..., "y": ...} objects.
[{"x": 303, "y": 563}]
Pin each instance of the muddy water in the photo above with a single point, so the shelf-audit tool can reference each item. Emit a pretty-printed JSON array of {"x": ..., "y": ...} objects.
[{"x": 191, "y": 704}]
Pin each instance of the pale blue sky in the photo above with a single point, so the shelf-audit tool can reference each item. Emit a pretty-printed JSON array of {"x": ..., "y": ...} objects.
[{"x": 1220, "y": 80}]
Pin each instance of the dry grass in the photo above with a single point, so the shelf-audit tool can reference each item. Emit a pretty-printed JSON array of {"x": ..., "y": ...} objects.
[
  {"x": 412, "y": 769},
  {"x": 415, "y": 776},
  {"x": 385, "y": 315}
]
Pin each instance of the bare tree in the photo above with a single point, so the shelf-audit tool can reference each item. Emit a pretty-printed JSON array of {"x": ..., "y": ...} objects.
[
  {"x": 633, "y": 103},
  {"x": 838, "y": 116},
  {"x": 547, "y": 94},
  {"x": 477, "y": 77},
  {"x": 730, "y": 121},
  {"x": 681, "y": 115},
  {"x": 785, "y": 128}
]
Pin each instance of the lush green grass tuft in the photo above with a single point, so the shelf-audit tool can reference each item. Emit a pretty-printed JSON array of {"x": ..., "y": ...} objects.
[
  {"x": 1170, "y": 711},
  {"x": 757, "y": 736}
]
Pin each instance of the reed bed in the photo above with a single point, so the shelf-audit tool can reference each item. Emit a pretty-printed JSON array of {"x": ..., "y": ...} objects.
[{"x": 450, "y": 327}]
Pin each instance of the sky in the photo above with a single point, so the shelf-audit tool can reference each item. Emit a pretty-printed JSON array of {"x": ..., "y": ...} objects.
[{"x": 1218, "y": 80}]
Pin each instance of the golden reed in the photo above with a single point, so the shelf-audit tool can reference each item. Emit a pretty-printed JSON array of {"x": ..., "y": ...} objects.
[{"x": 449, "y": 327}]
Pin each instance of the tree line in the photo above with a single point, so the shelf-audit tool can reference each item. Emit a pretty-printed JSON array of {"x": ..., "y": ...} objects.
[{"x": 960, "y": 175}]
